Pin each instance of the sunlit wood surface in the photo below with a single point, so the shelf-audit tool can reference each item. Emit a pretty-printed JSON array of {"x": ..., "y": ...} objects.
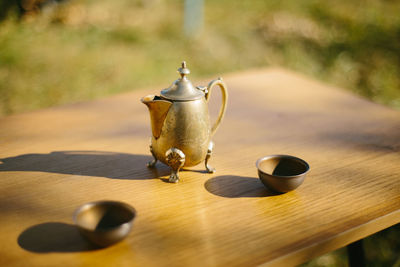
[{"x": 56, "y": 159}]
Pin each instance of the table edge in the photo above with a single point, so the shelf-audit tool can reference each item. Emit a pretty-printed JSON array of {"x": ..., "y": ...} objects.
[{"x": 330, "y": 244}]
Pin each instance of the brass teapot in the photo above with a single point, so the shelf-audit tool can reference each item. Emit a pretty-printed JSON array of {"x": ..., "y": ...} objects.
[{"x": 180, "y": 124}]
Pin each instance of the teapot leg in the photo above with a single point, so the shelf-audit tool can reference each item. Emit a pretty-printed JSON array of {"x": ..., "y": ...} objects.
[
  {"x": 152, "y": 163},
  {"x": 209, "y": 152},
  {"x": 175, "y": 158}
]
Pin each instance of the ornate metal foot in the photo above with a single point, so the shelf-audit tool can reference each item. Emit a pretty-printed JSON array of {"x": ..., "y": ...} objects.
[
  {"x": 209, "y": 152},
  {"x": 175, "y": 159},
  {"x": 152, "y": 163}
]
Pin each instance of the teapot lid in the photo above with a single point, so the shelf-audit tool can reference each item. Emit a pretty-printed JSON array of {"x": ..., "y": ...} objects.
[{"x": 182, "y": 89}]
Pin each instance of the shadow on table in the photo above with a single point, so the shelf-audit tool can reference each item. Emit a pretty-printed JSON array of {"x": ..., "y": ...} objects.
[
  {"x": 53, "y": 237},
  {"x": 232, "y": 186},
  {"x": 89, "y": 163}
]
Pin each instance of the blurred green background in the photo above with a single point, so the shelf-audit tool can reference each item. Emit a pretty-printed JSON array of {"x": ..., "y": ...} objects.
[{"x": 55, "y": 52}]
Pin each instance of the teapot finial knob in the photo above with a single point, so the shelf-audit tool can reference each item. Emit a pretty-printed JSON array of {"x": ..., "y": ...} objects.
[{"x": 183, "y": 70}]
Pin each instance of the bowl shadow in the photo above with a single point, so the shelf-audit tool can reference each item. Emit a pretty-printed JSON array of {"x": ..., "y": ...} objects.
[
  {"x": 231, "y": 186},
  {"x": 54, "y": 237}
]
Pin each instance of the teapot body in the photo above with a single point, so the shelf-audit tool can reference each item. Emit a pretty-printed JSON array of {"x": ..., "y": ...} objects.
[
  {"x": 180, "y": 123},
  {"x": 186, "y": 127}
]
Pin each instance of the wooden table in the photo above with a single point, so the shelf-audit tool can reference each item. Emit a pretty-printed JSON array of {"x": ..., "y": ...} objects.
[{"x": 56, "y": 159}]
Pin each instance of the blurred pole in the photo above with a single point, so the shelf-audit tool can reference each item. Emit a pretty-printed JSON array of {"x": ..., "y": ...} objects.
[
  {"x": 193, "y": 17},
  {"x": 355, "y": 254}
]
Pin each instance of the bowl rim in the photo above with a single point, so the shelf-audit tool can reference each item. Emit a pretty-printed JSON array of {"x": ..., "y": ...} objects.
[
  {"x": 283, "y": 156},
  {"x": 91, "y": 204}
]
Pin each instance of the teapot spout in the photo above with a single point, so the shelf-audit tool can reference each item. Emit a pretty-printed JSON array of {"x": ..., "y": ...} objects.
[{"x": 158, "y": 109}]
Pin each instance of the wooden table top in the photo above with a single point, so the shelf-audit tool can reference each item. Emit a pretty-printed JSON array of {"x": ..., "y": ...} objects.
[{"x": 56, "y": 159}]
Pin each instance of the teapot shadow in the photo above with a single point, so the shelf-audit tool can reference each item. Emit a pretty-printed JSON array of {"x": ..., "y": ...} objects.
[
  {"x": 231, "y": 186},
  {"x": 89, "y": 163},
  {"x": 53, "y": 237}
]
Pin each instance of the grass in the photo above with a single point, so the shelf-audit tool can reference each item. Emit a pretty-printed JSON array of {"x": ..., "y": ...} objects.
[
  {"x": 78, "y": 50},
  {"x": 83, "y": 49}
]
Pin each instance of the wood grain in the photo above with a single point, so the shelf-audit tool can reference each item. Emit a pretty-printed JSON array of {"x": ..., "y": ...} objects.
[{"x": 56, "y": 159}]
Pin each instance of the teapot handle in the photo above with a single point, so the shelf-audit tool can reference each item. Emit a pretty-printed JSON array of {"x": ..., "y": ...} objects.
[{"x": 224, "y": 94}]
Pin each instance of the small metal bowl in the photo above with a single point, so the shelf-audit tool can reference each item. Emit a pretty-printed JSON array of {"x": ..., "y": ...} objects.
[
  {"x": 282, "y": 173},
  {"x": 104, "y": 222}
]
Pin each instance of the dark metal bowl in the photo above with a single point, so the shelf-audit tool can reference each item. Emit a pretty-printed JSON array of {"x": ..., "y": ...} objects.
[
  {"x": 282, "y": 173},
  {"x": 104, "y": 222}
]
